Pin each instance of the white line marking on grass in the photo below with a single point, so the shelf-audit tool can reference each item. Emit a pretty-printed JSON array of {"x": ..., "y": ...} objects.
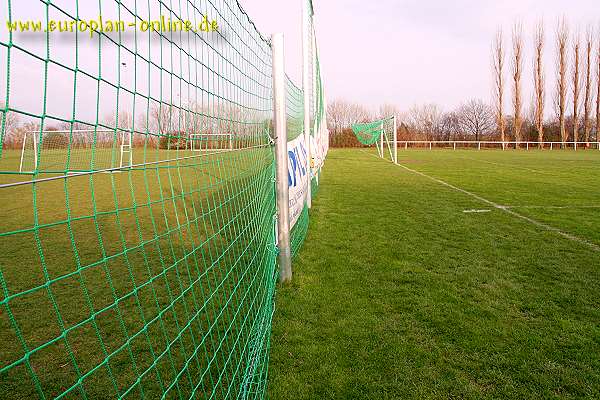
[
  {"x": 476, "y": 211},
  {"x": 555, "y": 207},
  {"x": 532, "y": 221}
]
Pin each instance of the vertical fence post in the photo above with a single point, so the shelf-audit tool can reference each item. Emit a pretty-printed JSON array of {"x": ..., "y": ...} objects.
[
  {"x": 281, "y": 160},
  {"x": 307, "y": 90}
]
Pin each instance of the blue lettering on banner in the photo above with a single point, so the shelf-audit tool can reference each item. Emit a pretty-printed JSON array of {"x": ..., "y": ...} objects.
[{"x": 297, "y": 159}]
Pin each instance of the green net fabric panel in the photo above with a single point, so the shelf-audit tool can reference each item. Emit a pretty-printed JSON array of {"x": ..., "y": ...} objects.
[
  {"x": 149, "y": 280},
  {"x": 299, "y": 231},
  {"x": 294, "y": 110},
  {"x": 369, "y": 133},
  {"x": 295, "y": 128}
]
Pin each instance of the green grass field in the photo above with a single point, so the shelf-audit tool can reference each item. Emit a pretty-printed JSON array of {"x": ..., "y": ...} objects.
[
  {"x": 400, "y": 293},
  {"x": 397, "y": 293}
]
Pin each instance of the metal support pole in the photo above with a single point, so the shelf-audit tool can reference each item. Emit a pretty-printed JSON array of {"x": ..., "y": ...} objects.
[
  {"x": 281, "y": 160},
  {"x": 395, "y": 141},
  {"x": 307, "y": 89}
]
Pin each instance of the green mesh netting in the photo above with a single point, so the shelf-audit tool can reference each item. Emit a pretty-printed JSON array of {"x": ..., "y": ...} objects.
[
  {"x": 137, "y": 254},
  {"x": 295, "y": 128},
  {"x": 369, "y": 133}
]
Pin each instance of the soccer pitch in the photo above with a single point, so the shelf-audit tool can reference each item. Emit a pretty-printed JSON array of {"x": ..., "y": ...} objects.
[{"x": 456, "y": 274}]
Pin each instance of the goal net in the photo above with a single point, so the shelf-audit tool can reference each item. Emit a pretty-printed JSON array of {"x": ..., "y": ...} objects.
[
  {"x": 211, "y": 141},
  {"x": 64, "y": 151},
  {"x": 381, "y": 133}
]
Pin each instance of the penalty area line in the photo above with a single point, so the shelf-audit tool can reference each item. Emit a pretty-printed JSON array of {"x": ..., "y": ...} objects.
[{"x": 507, "y": 210}]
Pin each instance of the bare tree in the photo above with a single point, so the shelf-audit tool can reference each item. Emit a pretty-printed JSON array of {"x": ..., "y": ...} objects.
[
  {"x": 450, "y": 126},
  {"x": 164, "y": 119},
  {"x": 517, "y": 71},
  {"x": 476, "y": 118},
  {"x": 390, "y": 110},
  {"x": 425, "y": 119},
  {"x": 562, "y": 38},
  {"x": 539, "y": 81},
  {"x": 598, "y": 89},
  {"x": 9, "y": 122},
  {"x": 587, "y": 101},
  {"x": 342, "y": 114},
  {"x": 576, "y": 86},
  {"x": 498, "y": 68}
]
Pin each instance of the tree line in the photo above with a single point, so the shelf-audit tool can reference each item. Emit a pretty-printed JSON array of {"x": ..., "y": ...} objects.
[
  {"x": 472, "y": 120},
  {"x": 573, "y": 117},
  {"x": 576, "y": 90}
]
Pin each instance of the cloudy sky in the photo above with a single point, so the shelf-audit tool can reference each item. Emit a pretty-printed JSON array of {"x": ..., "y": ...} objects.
[
  {"x": 407, "y": 52},
  {"x": 402, "y": 52}
]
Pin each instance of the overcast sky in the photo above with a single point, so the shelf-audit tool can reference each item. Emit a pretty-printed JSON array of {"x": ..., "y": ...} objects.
[
  {"x": 407, "y": 52},
  {"x": 402, "y": 52}
]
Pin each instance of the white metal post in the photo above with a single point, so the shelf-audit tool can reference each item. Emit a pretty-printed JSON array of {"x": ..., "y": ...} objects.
[
  {"x": 381, "y": 139},
  {"x": 22, "y": 152},
  {"x": 395, "y": 141},
  {"x": 35, "y": 150},
  {"x": 281, "y": 160},
  {"x": 307, "y": 89},
  {"x": 126, "y": 148}
]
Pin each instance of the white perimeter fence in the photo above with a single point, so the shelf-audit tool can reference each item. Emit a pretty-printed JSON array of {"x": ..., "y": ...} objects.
[{"x": 489, "y": 144}]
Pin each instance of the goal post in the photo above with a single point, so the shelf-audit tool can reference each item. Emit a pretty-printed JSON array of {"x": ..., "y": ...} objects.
[
  {"x": 77, "y": 150},
  {"x": 382, "y": 133}
]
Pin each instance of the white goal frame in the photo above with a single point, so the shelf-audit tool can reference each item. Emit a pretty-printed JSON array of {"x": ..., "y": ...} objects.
[
  {"x": 126, "y": 148},
  {"x": 390, "y": 140}
]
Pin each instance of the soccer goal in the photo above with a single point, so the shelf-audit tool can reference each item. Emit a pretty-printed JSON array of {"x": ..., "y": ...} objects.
[
  {"x": 60, "y": 151},
  {"x": 211, "y": 141},
  {"x": 381, "y": 133}
]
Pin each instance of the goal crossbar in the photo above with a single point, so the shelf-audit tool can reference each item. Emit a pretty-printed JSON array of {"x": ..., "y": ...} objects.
[{"x": 73, "y": 139}]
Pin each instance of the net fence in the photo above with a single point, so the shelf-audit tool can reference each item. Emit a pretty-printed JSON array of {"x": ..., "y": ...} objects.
[{"x": 137, "y": 242}]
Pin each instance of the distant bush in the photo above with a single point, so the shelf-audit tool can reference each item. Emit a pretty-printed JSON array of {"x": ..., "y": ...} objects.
[
  {"x": 171, "y": 142},
  {"x": 345, "y": 138}
]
